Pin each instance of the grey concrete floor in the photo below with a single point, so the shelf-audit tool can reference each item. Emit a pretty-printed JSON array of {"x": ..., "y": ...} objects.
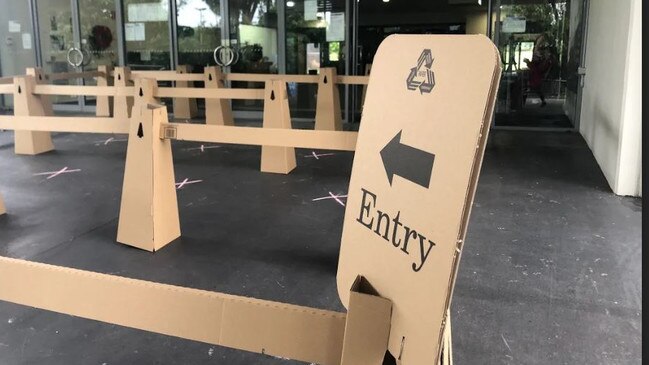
[{"x": 551, "y": 270}]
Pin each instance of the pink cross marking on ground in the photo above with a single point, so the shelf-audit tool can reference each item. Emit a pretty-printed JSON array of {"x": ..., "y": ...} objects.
[
  {"x": 109, "y": 140},
  {"x": 202, "y": 148},
  {"x": 181, "y": 184},
  {"x": 57, "y": 173},
  {"x": 333, "y": 196},
  {"x": 317, "y": 156}
]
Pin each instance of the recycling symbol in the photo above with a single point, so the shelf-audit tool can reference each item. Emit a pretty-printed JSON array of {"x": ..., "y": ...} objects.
[{"x": 422, "y": 78}]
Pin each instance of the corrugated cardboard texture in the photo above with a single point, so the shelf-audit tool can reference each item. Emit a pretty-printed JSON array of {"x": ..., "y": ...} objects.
[
  {"x": 148, "y": 216},
  {"x": 405, "y": 219},
  {"x": 286, "y": 330},
  {"x": 27, "y": 103}
]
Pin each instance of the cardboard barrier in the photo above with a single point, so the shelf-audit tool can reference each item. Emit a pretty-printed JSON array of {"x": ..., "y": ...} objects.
[
  {"x": 184, "y": 108},
  {"x": 414, "y": 176}
]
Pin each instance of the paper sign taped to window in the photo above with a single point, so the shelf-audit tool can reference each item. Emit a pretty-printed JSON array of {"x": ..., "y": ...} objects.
[
  {"x": 134, "y": 32},
  {"x": 14, "y": 27},
  {"x": 310, "y": 9},
  {"x": 27, "y": 41},
  {"x": 336, "y": 27},
  {"x": 148, "y": 12},
  {"x": 514, "y": 25}
]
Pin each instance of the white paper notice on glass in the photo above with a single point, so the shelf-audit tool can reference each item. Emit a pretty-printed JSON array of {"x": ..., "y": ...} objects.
[
  {"x": 310, "y": 9},
  {"x": 312, "y": 57},
  {"x": 336, "y": 27},
  {"x": 14, "y": 27},
  {"x": 148, "y": 12},
  {"x": 27, "y": 41},
  {"x": 134, "y": 32},
  {"x": 513, "y": 25}
]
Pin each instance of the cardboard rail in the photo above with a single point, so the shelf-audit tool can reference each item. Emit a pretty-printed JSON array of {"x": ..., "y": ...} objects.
[{"x": 414, "y": 176}]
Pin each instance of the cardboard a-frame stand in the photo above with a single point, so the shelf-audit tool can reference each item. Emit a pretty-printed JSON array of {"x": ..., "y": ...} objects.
[
  {"x": 217, "y": 111},
  {"x": 26, "y": 103},
  {"x": 184, "y": 108},
  {"x": 417, "y": 163}
]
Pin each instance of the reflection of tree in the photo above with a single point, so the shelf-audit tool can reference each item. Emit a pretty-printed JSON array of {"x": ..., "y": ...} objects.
[{"x": 551, "y": 18}]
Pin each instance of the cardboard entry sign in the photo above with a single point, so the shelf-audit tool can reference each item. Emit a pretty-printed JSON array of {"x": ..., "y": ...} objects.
[{"x": 420, "y": 145}]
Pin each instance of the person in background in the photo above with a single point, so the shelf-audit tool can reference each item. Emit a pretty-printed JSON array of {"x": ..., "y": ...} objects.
[{"x": 539, "y": 65}]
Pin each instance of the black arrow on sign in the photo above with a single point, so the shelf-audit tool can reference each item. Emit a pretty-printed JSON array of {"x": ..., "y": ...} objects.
[{"x": 408, "y": 162}]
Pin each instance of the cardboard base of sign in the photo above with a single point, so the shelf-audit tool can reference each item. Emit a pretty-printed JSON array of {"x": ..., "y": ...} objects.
[
  {"x": 104, "y": 103},
  {"x": 217, "y": 111},
  {"x": 27, "y": 103},
  {"x": 3, "y": 209},
  {"x": 328, "y": 115},
  {"x": 148, "y": 217},
  {"x": 279, "y": 160},
  {"x": 261, "y": 326},
  {"x": 184, "y": 108}
]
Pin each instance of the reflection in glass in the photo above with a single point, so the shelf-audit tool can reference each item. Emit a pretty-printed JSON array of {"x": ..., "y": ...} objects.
[
  {"x": 533, "y": 39},
  {"x": 199, "y": 32},
  {"x": 315, "y": 37},
  {"x": 253, "y": 36},
  {"x": 146, "y": 32},
  {"x": 56, "y": 37},
  {"x": 98, "y": 36}
]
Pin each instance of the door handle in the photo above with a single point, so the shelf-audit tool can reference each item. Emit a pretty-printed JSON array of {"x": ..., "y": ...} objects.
[{"x": 69, "y": 57}]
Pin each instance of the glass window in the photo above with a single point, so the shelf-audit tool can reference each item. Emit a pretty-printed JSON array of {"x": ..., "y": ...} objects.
[
  {"x": 253, "y": 36},
  {"x": 533, "y": 40},
  {"x": 315, "y": 37},
  {"x": 146, "y": 33},
  {"x": 199, "y": 32}
]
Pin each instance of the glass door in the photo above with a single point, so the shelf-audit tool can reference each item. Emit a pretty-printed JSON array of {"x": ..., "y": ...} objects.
[
  {"x": 98, "y": 33},
  {"x": 147, "y": 34},
  {"x": 60, "y": 46},
  {"x": 76, "y": 36},
  {"x": 252, "y": 39},
  {"x": 315, "y": 38},
  {"x": 540, "y": 45}
]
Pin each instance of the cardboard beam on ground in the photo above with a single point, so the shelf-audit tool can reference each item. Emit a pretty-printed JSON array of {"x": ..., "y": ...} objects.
[
  {"x": 122, "y": 104},
  {"x": 217, "y": 111},
  {"x": 275, "y": 159},
  {"x": 261, "y": 326},
  {"x": 104, "y": 105},
  {"x": 328, "y": 116},
  {"x": 26, "y": 103},
  {"x": 184, "y": 108}
]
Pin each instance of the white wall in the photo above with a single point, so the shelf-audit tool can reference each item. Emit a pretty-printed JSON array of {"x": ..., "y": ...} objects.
[{"x": 611, "y": 110}]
